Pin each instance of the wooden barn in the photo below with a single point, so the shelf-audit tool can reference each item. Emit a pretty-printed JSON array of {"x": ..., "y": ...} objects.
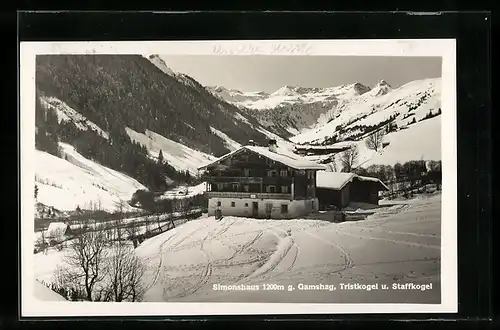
[{"x": 340, "y": 189}]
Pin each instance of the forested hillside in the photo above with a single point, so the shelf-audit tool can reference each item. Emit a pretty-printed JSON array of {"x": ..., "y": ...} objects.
[
  {"x": 117, "y": 91},
  {"x": 115, "y": 151}
]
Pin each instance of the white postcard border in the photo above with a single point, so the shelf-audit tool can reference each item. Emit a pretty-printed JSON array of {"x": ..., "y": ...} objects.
[{"x": 445, "y": 48}]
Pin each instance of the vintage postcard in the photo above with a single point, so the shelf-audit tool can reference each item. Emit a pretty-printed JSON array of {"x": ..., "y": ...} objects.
[{"x": 238, "y": 177}]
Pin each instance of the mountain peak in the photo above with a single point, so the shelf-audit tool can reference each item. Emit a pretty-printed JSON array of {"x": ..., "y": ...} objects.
[
  {"x": 382, "y": 88},
  {"x": 160, "y": 64},
  {"x": 360, "y": 88},
  {"x": 383, "y": 83},
  {"x": 286, "y": 90}
]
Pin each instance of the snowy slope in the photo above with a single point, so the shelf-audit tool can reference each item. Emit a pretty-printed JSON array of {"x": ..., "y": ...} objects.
[
  {"x": 67, "y": 114},
  {"x": 393, "y": 245},
  {"x": 230, "y": 143},
  {"x": 402, "y": 146},
  {"x": 78, "y": 181},
  {"x": 185, "y": 263},
  {"x": 411, "y": 101},
  {"x": 175, "y": 154},
  {"x": 43, "y": 293}
]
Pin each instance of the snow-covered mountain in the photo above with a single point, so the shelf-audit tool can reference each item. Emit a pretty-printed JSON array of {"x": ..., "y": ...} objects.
[
  {"x": 346, "y": 114},
  {"x": 160, "y": 64},
  {"x": 354, "y": 118},
  {"x": 408, "y": 116},
  {"x": 236, "y": 96},
  {"x": 290, "y": 109}
]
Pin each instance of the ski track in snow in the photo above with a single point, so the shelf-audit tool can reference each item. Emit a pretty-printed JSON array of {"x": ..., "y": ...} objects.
[{"x": 400, "y": 241}]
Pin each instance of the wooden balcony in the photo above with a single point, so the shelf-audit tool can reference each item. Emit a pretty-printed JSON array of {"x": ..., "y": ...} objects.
[
  {"x": 277, "y": 180},
  {"x": 220, "y": 194}
]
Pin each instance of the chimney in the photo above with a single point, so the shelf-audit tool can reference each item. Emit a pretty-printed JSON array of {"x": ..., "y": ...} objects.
[
  {"x": 272, "y": 145},
  {"x": 251, "y": 143}
]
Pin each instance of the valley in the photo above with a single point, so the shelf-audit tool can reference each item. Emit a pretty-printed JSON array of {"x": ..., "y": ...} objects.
[{"x": 120, "y": 141}]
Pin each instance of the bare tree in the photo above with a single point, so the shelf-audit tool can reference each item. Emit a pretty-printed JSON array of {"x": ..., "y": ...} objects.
[
  {"x": 125, "y": 271},
  {"x": 132, "y": 229},
  {"x": 149, "y": 219},
  {"x": 374, "y": 140},
  {"x": 119, "y": 221},
  {"x": 348, "y": 158},
  {"x": 333, "y": 164},
  {"x": 41, "y": 243},
  {"x": 84, "y": 262}
]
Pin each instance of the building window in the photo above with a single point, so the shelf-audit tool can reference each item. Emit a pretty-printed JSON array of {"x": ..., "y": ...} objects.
[
  {"x": 220, "y": 187},
  {"x": 233, "y": 204},
  {"x": 218, "y": 203},
  {"x": 235, "y": 187},
  {"x": 272, "y": 174},
  {"x": 270, "y": 189},
  {"x": 284, "y": 208},
  {"x": 246, "y": 204},
  {"x": 246, "y": 172},
  {"x": 284, "y": 189},
  {"x": 283, "y": 173},
  {"x": 246, "y": 188}
]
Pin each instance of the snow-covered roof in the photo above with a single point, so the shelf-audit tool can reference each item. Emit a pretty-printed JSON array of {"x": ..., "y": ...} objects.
[
  {"x": 333, "y": 180},
  {"x": 281, "y": 156},
  {"x": 367, "y": 178},
  {"x": 337, "y": 181},
  {"x": 55, "y": 226},
  {"x": 328, "y": 147}
]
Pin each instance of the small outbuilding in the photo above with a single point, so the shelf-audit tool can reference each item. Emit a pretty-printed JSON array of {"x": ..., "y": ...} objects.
[
  {"x": 58, "y": 231},
  {"x": 340, "y": 189}
]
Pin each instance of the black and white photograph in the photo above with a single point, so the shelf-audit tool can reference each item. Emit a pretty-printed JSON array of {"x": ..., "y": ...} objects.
[{"x": 238, "y": 176}]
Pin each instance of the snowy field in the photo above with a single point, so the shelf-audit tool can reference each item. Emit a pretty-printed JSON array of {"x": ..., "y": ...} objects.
[
  {"x": 398, "y": 244},
  {"x": 78, "y": 181}
]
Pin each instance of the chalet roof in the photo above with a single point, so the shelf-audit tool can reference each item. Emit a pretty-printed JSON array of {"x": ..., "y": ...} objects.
[
  {"x": 337, "y": 181},
  {"x": 333, "y": 180},
  {"x": 367, "y": 178},
  {"x": 55, "y": 227},
  {"x": 281, "y": 156}
]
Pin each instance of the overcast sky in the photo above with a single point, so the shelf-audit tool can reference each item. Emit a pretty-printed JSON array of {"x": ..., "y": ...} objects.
[{"x": 269, "y": 73}]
